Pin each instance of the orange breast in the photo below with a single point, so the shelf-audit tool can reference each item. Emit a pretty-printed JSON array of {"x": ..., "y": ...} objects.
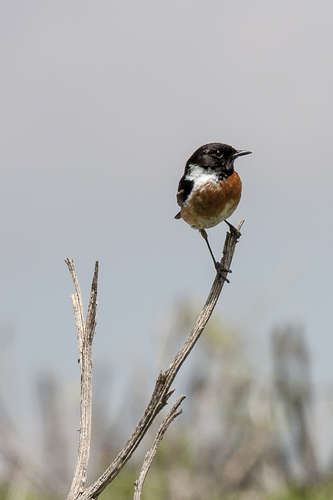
[{"x": 212, "y": 202}]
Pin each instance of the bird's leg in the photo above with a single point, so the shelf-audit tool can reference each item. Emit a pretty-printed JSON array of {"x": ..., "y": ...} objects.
[
  {"x": 205, "y": 237},
  {"x": 232, "y": 228},
  {"x": 217, "y": 265}
]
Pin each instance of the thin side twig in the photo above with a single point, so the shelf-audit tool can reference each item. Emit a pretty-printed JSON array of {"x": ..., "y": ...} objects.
[
  {"x": 174, "y": 412},
  {"x": 161, "y": 392},
  {"x": 85, "y": 335}
]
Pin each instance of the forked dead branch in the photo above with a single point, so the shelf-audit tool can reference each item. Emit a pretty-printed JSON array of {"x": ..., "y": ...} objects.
[
  {"x": 162, "y": 390},
  {"x": 85, "y": 335}
]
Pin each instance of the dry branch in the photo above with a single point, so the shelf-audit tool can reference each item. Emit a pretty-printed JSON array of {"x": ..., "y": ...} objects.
[
  {"x": 161, "y": 392},
  {"x": 85, "y": 335},
  {"x": 174, "y": 412}
]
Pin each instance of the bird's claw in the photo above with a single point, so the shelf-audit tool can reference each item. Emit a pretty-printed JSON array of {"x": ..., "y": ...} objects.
[{"x": 221, "y": 271}]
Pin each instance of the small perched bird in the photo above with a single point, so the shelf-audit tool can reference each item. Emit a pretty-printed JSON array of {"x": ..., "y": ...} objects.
[{"x": 210, "y": 189}]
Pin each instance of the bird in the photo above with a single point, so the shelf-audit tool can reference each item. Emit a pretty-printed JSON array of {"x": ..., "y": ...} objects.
[{"x": 210, "y": 189}]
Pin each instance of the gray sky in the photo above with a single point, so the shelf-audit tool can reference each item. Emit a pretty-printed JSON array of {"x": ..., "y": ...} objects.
[{"x": 101, "y": 104}]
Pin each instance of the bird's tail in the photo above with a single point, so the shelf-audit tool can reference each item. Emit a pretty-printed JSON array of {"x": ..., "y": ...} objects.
[{"x": 178, "y": 216}]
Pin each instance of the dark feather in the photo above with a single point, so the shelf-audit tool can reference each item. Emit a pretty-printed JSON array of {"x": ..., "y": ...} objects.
[{"x": 184, "y": 189}]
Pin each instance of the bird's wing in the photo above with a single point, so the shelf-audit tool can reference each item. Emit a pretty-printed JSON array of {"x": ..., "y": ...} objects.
[{"x": 184, "y": 189}]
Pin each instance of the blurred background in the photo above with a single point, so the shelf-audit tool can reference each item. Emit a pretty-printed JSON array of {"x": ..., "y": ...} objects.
[{"x": 101, "y": 105}]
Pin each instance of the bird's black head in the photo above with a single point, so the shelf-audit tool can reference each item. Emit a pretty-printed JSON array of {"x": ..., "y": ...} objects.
[{"x": 216, "y": 157}]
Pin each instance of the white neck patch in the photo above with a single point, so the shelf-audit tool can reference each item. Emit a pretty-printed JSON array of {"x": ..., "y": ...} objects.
[{"x": 200, "y": 175}]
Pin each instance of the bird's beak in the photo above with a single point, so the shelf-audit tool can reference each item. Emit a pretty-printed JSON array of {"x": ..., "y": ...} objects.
[{"x": 241, "y": 153}]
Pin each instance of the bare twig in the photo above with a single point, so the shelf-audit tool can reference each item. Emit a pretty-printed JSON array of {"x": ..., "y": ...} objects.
[
  {"x": 85, "y": 335},
  {"x": 174, "y": 412},
  {"x": 161, "y": 392}
]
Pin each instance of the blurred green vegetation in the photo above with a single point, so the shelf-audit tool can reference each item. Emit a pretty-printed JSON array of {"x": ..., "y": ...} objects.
[
  {"x": 155, "y": 488},
  {"x": 321, "y": 491}
]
